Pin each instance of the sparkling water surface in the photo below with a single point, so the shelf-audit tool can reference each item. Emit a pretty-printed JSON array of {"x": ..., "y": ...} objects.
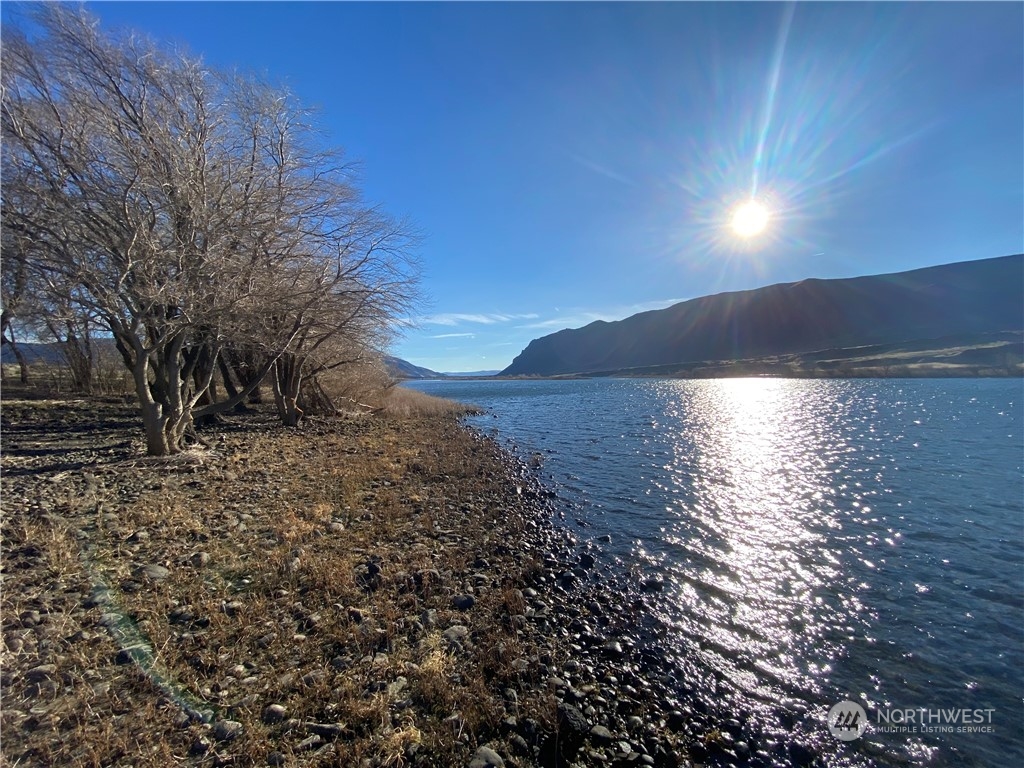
[{"x": 820, "y": 540}]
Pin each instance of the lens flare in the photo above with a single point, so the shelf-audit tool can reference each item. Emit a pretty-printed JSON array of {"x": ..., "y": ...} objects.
[{"x": 749, "y": 219}]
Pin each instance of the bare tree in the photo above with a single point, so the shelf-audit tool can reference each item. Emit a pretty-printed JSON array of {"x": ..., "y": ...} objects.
[{"x": 186, "y": 210}]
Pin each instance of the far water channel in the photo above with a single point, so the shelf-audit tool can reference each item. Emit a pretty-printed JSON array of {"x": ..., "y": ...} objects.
[{"x": 821, "y": 540}]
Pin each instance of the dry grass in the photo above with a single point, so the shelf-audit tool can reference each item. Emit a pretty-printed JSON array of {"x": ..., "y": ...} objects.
[
  {"x": 402, "y": 402},
  {"x": 312, "y": 569}
]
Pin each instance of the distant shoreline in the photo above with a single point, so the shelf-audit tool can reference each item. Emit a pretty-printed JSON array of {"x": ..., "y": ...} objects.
[{"x": 994, "y": 356}]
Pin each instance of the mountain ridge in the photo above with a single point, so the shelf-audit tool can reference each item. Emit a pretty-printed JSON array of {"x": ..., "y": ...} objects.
[{"x": 981, "y": 296}]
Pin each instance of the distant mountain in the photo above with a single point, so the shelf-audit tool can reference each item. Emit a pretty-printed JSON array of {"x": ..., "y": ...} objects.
[
  {"x": 971, "y": 297},
  {"x": 469, "y": 374},
  {"x": 34, "y": 352},
  {"x": 403, "y": 369},
  {"x": 51, "y": 354}
]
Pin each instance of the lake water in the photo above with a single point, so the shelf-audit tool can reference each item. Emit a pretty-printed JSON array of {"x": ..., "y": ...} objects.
[{"x": 821, "y": 540}]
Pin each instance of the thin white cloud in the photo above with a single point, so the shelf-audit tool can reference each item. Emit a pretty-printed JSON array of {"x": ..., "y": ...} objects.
[
  {"x": 454, "y": 336},
  {"x": 455, "y": 318},
  {"x": 601, "y": 169},
  {"x": 584, "y": 317}
]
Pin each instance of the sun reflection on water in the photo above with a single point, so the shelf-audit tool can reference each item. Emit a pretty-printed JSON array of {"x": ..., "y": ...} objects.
[{"x": 760, "y": 485}]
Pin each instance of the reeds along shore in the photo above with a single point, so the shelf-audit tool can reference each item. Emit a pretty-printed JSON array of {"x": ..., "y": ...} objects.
[{"x": 380, "y": 590}]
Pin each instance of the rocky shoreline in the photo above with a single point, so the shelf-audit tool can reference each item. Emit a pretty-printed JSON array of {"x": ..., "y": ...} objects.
[{"x": 363, "y": 591}]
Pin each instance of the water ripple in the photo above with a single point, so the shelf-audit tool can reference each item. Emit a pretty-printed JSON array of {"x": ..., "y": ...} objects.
[{"x": 821, "y": 539}]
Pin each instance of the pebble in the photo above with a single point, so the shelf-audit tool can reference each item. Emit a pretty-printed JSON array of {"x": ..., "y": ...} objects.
[
  {"x": 200, "y": 559},
  {"x": 227, "y": 730},
  {"x": 485, "y": 757},
  {"x": 40, "y": 673},
  {"x": 612, "y": 649},
  {"x": 463, "y": 602},
  {"x": 456, "y": 633},
  {"x": 310, "y": 742},
  {"x": 153, "y": 571},
  {"x": 572, "y": 728},
  {"x": 326, "y": 730},
  {"x": 274, "y": 713}
]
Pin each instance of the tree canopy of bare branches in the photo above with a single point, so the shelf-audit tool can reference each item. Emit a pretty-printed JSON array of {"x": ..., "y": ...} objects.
[{"x": 188, "y": 211}]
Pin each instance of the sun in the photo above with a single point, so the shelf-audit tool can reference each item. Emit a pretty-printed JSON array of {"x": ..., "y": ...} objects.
[{"x": 749, "y": 219}]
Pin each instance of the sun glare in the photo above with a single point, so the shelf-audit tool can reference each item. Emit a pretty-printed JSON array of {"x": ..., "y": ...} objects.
[{"x": 749, "y": 219}]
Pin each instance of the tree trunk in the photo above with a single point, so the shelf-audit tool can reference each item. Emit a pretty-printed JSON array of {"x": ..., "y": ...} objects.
[
  {"x": 314, "y": 400},
  {"x": 287, "y": 381},
  {"x": 153, "y": 421},
  {"x": 22, "y": 363},
  {"x": 165, "y": 407},
  {"x": 78, "y": 356},
  {"x": 245, "y": 368}
]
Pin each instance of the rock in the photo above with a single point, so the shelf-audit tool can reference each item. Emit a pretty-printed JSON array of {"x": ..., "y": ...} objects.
[
  {"x": 677, "y": 720},
  {"x": 310, "y": 742},
  {"x": 587, "y": 560},
  {"x": 519, "y": 744},
  {"x": 601, "y": 735},
  {"x": 199, "y": 747},
  {"x": 326, "y": 730},
  {"x": 266, "y": 640},
  {"x": 41, "y": 673},
  {"x": 153, "y": 572},
  {"x": 312, "y": 678},
  {"x": 181, "y": 616},
  {"x": 276, "y": 758},
  {"x": 486, "y": 757},
  {"x": 336, "y": 527},
  {"x": 199, "y": 559},
  {"x": 227, "y": 730},
  {"x": 653, "y": 584},
  {"x": 612, "y": 649},
  {"x": 274, "y": 713},
  {"x": 456, "y": 634},
  {"x": 463, "y": 602},
  {"x": 572, "y": 729},
  {"x": 800, "y": 755}
]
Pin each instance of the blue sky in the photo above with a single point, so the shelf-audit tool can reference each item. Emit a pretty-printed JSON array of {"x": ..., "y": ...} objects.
[{"x": 568, "y": 162}]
